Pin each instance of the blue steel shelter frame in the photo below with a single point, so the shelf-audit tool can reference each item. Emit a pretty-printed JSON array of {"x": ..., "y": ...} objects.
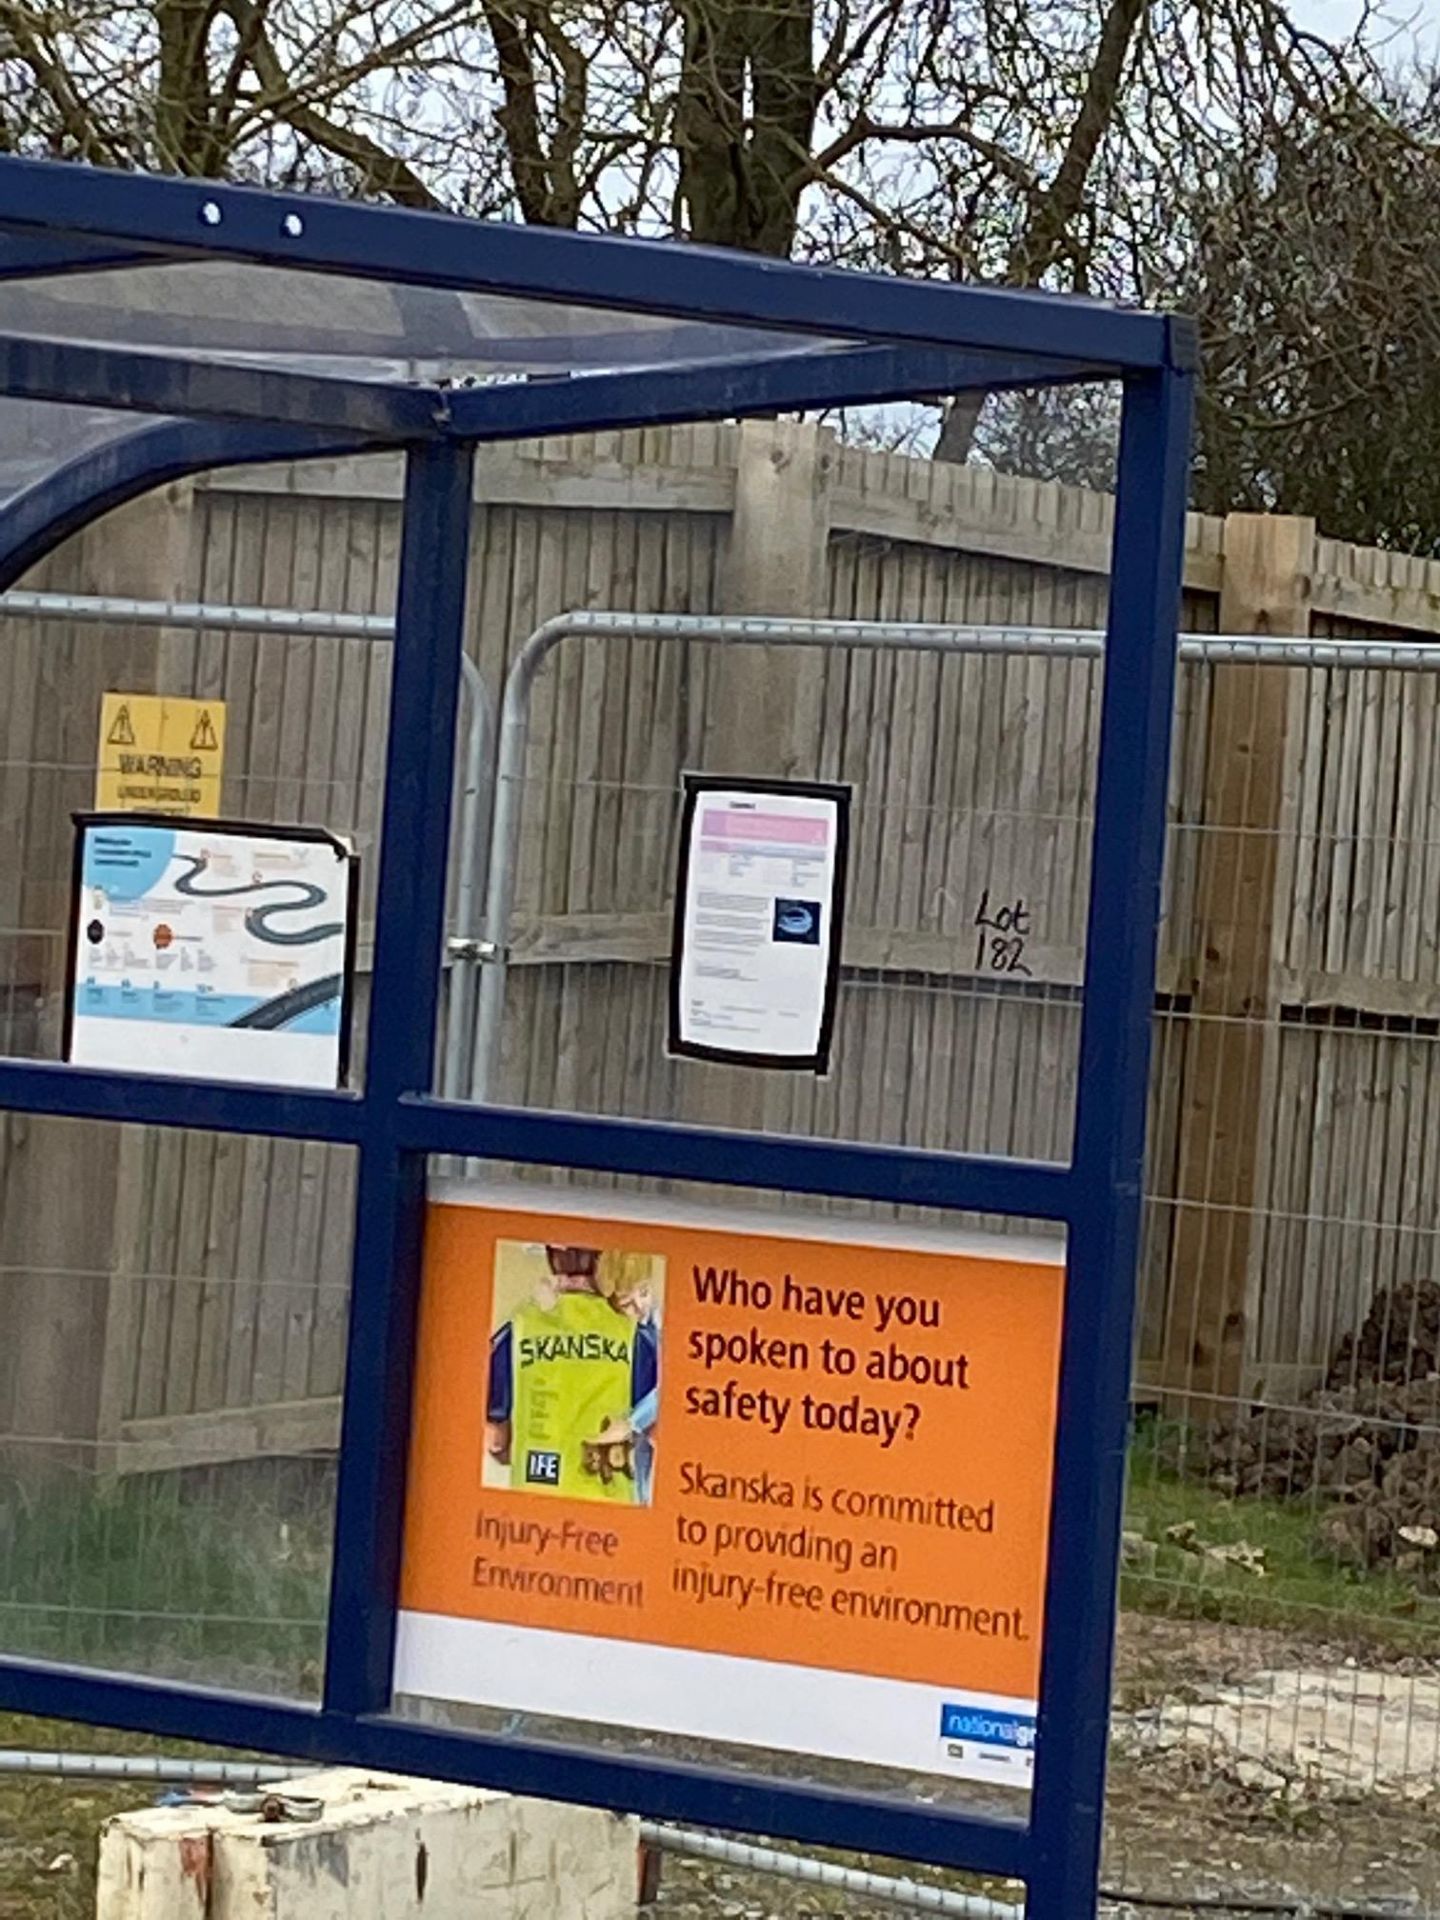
[{"x": 874, "y": 339}]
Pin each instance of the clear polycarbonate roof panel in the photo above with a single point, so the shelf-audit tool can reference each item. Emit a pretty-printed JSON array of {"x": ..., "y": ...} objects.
[
  {"x": 322, "y": 323},
  {"x": 39, "y": 436}
]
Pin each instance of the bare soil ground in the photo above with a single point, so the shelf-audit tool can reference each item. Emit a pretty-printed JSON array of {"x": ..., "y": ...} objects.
[{"x": 1182, "y": 1820}]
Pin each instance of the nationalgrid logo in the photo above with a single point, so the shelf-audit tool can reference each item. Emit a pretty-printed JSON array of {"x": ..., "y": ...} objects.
[{"x": 1011, "y": 1733}]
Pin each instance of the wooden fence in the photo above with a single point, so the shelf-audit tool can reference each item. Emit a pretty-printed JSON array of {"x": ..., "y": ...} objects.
[{"x": 170, "y": 1298}]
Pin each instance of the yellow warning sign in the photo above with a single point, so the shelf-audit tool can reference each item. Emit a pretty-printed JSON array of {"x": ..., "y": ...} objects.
[{"x": 159, "y": 755}]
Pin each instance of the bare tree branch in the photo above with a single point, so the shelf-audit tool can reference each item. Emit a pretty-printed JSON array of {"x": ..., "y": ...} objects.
[
  {"x": 84, "y": 135},
  {"x": 378, "y": 167}
]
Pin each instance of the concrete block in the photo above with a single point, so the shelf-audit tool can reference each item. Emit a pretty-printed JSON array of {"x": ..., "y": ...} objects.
[{"x": 384, "y": 1848}]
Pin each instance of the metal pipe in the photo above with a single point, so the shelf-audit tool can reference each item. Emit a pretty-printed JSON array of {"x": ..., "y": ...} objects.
[
  {"x": 1057, "y": 643},
  {"x": 159, "y": 1769},
  {"x": 514, "y": 742},
  {"x": 103, "y": 609},
  {"x": 473, "y": 854},
  {"x": 515, "y": 733},
  {"x": 910, "y": 1894},
  {"x": 1264, "y": 650},
  {"x": 474, "y": 840}
]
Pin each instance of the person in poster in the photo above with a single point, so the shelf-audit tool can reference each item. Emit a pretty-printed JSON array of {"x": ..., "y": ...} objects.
[
  {"x": 629, "y": 1439},
  {"x": 574, "y": 1373}
]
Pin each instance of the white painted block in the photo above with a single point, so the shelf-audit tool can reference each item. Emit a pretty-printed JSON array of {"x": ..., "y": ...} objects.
[{"x": 385, "y": 1848}]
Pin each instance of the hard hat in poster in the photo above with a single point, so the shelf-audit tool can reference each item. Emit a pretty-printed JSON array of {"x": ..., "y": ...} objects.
[{"x": 743, "y": 1482}]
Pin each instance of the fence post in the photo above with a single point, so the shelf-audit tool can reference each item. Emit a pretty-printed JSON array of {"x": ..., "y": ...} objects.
[
  {"x": 1228, "y": 1078},
  {"x": 763, "y": 704},
  {"x": 762, "y": 715}
]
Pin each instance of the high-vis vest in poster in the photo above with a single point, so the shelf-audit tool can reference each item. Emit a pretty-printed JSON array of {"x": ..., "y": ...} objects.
[{"x": 572, "y": 1368}]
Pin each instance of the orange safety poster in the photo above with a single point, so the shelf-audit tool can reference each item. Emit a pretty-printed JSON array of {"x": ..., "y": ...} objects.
[{"x": 689, "y": 1474}]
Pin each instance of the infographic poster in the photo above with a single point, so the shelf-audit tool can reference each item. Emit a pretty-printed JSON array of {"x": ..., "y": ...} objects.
[
  {"x": 765, "y": 1487},
  {"x": 213, "y": 950}
]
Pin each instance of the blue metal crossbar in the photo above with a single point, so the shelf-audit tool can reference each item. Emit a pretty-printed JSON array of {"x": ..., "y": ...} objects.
[
  {"x": 200, "y": 220},
  {"x": 199, "y": 388}
]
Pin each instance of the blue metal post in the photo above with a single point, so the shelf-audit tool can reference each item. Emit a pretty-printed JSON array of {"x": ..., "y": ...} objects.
[
  {"x": 1109, "y": 1151},
  {"x": 404, "y": 1006}
]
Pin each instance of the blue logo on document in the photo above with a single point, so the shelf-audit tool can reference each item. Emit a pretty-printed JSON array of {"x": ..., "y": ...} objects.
[
  {"x": 797, "y": 922},
  {"x": 988, "y": 1727}
]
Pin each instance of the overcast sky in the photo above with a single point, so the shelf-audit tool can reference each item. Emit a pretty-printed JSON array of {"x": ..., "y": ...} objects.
[{"x": 1409, "y": 21}]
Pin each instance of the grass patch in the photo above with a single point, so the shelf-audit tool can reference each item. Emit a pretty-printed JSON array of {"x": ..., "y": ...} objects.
[
  {"x": 205, "y": 1574},
  {"x": 1302, "y": 1589},
  {"x": 50, "y": 1829}
]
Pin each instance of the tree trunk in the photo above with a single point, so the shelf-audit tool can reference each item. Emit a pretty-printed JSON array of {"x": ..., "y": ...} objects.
[
  {"x": 519, "y": 118},
  {"x": 183, "y": 132},
  {"x": 743, "y": 164},
  {"x": 710, "y": 120},
  {"x": 781, "y": 40},
  {"x": 957, "y": 428}
]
